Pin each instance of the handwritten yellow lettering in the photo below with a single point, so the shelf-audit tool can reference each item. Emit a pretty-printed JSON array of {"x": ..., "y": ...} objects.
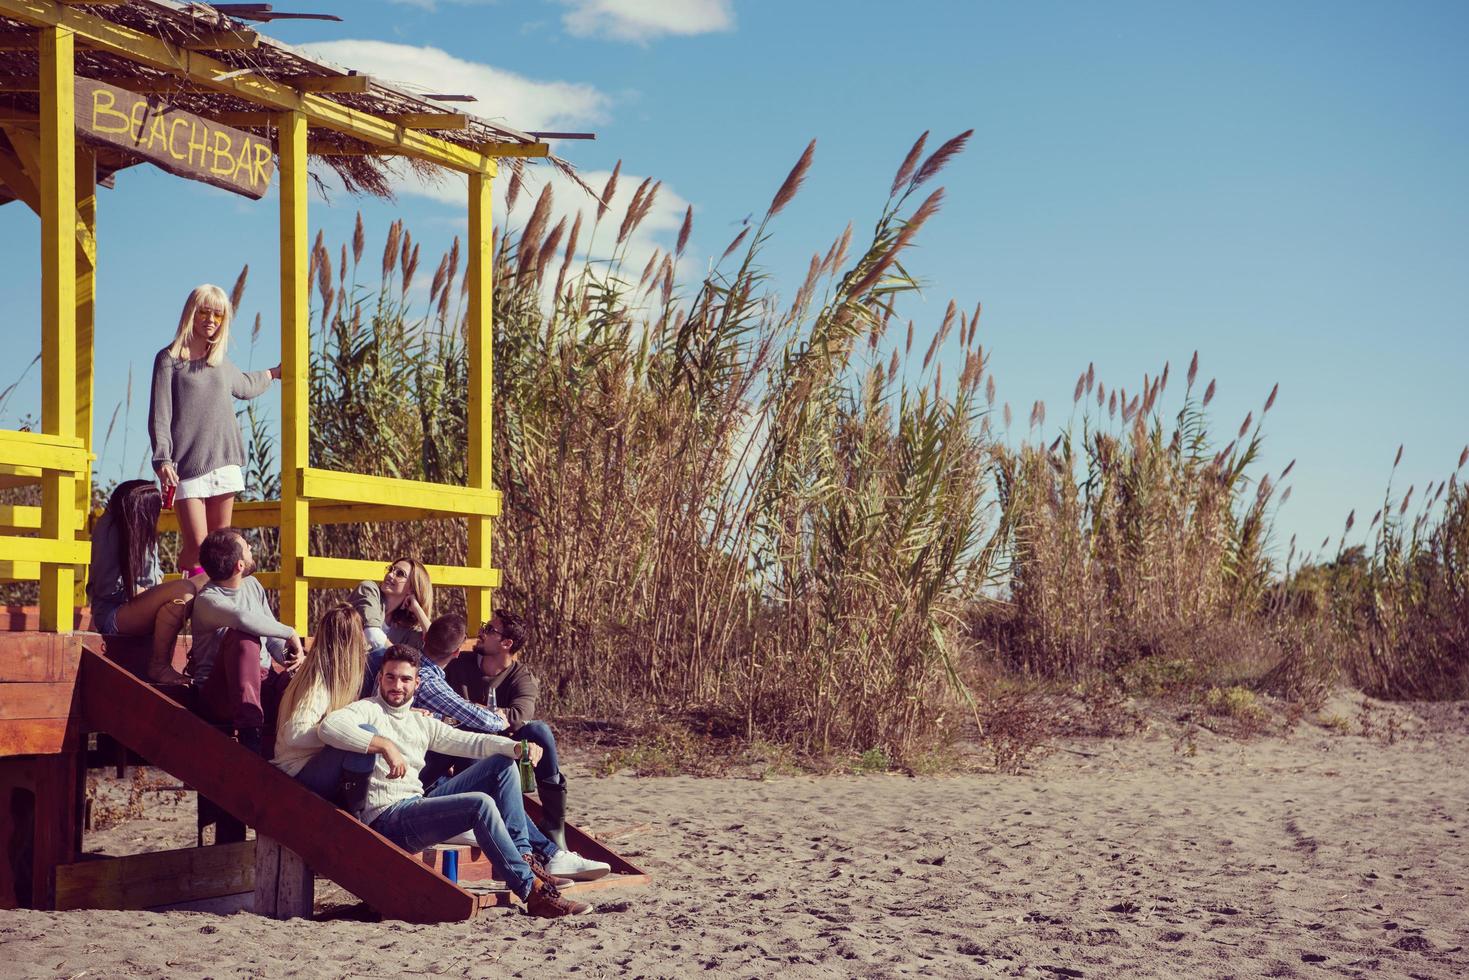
[
  {"x": 242, "y": 162},
  {"x": 157, "y": 134},
  {"x": 104, "y": 107},
  {"x": 221, "y": 150},
  {"x": 198, "y": 141},
  {"x": 137, "y": 114},
  {"x": 173, "y": 128},
  {"x": 261, "y": 175}
]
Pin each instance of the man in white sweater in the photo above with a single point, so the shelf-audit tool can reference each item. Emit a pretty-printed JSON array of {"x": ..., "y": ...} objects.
[{"x": 484, "y": 799}]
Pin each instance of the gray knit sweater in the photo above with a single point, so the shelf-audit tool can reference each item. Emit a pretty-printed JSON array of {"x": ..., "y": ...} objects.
[{"x": 192, "y": 416}]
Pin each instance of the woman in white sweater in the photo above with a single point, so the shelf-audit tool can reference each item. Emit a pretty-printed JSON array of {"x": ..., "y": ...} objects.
[{"x": 330, "y": 678}]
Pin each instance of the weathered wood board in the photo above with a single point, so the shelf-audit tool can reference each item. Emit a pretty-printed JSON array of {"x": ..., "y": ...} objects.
[{"x": 180, "y": 142}]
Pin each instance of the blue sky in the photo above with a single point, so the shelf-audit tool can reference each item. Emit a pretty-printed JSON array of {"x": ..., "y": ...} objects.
[{"x": 1279, "y": 186}]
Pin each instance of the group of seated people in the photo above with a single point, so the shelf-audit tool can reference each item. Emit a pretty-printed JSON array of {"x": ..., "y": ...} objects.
[{"x": 383, "y": 715}]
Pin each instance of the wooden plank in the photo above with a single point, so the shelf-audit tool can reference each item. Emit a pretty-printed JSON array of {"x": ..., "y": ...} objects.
[
  {"x": 183, "y": 143},
  {"x": 45, "y": 699},
  {"x": 252, "y": 790},
  {"x": 516, "y": 149},
  {"x": 33, "y": 736},
  {"x": 104, "y": 35},
  {"x": 429, "y": 120},
  {"x": 267, "y": 875},
  {"x": 46, "y": 451},
  {"x": 67, "y": 553},
  {"x": 295, "y": 298},
  {"x": 59, "y": 516},
  {"x": 347, "y": 572},
  {"x": 340, "y": 84},
  {"x": 267, "y": 513},
  {"x": 479, "y": 341},
  {"x": 228, "y": 40},
  {"x": 16, "y": 619},
  {"x": 318, "y": 484},
  {"x": 140, "y": 881},
  {"x": 19, "y": 517},
  {"x": 31, "y": 658}
]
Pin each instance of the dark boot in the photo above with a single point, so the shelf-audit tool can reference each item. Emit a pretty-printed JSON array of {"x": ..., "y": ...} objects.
[
  {"x": 253, "y": 739},
  {"x": 352, "y": 791},
  {"x": 553, "y": 810}
]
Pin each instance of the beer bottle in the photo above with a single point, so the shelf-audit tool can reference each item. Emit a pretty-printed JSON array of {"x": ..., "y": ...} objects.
[{"x": 527, "y": 771}]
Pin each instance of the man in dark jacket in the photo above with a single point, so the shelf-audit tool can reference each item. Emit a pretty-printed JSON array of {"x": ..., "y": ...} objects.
[{"x": 492, "y": 675}]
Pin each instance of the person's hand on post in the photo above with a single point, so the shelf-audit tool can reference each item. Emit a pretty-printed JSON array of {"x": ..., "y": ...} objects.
[{"x": 275, "y": 373}]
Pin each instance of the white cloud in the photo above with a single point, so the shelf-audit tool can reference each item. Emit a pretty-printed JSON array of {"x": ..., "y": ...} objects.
[
  {"x": 644, "y": 20},
  {"x": 434, "y": 4},
  {"x": 503, "y": 96}
]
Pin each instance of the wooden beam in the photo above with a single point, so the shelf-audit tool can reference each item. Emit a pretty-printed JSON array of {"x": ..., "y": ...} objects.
[
  {"x": 444, "y": 498},
  {"x": 37, "y": 658},
  {"x": 19, "y": 40},
  {"x": 429, "y": 120},
  {"x": 479, "y": 339},
  {"x": 295, "y": 367},
  {"x": 347, "y": 572},
  {"x": 516, "y": 149},
  {"x": 36, "y": 700},
  {"x": 59, "y": 517},
  {"x": 339, "y": 84},
  {"x": 267, "y": 513},
  {"x": 33, "y": 736},
  {"x": 142, "y": 881},
  {"x": 252, "y": 790},
  {"x": 63, "y": 554},
  {"x": 19, "y": 517},
  {"x": 55, "y": 453},
  {"x": 13, "y": 175},
  {"x": 236, "y": 40},
  {"x": 104, "y": 35},
  {"x": 86, "y": 298}
]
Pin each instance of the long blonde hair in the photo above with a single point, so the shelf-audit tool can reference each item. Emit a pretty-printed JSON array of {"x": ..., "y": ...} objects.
[
  {"x": 420, "y": 585},
  {"x": 336, "y": 662},
  {"x": 216, "y": 297}
]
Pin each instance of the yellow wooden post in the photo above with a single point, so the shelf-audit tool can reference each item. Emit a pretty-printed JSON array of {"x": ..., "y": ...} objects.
[
  {"x": 59, "y": 518},
  {"x": 86, "y": 259},
  {"x": 295, "y": 365},
  {"x": 479, "y": 333}
]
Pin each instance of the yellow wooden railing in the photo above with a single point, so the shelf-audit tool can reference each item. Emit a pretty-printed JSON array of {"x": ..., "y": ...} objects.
[{"x": 59, "y": 457}]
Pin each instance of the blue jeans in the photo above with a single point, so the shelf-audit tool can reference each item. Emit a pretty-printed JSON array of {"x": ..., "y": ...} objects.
[
  {"x": 484, "y": 798},
  {"x": 322, "y": 774}
]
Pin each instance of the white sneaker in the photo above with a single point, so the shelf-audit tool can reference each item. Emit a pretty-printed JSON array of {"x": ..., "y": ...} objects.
[
  {"x": 569, "y": 864},
  {"x": 466, "y": 839}
]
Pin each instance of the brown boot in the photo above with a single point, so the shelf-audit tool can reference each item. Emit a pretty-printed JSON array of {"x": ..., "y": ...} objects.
[
  {"x": 539, "y": 870},
  {"x": 166, "y": 628},
  {"x": 545, "y": 902}
]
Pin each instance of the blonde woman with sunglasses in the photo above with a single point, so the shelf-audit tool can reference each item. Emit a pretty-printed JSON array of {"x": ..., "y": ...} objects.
[
  {"x": 398, "y": 609},
  {"x": 198, "y": 453}
]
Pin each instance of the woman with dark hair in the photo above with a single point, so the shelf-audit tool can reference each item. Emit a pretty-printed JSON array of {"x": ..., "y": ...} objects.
[{"x": 125, "y": 583}]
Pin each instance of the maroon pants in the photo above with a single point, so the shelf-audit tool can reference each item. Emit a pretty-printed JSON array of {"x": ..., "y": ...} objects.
[{"x": 231, "y": 693}]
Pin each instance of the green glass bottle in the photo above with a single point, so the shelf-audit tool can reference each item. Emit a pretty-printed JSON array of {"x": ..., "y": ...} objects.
[{"x": 527, "y": 771}]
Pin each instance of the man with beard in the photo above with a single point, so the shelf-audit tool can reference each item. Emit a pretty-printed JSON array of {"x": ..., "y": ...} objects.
[
  {"x": 484, "y": 800},
  {"x": 235, "y": 637}
]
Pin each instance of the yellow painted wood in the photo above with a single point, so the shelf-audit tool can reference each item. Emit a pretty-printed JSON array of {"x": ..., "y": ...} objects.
[
  {"x": 430, "y": 120},
  {"x": 86, "y": 296},
  {"x": 267, "y": 513},
  {"x": 295, "y": 510},
  {"x": 13, "y": 175},
  {"x": 60, "y": 518},
  {"x": 355, "y": 84},
  {"x": 479, "y": 337},
  {"x": 19, "y": 517},
  {"x": 347, "y": 572},
  {"x": 237, "y": 40},
  {"x": 43, "y": 451},
  {"x": 52, "y": 554},
  {"x": 516, "y": 149},
  {"x": 13, "y": 475},
  {"x": 19, "y": 571},
  {"x": 103, "y": 35},
  {"x": 438, "y": 497}
]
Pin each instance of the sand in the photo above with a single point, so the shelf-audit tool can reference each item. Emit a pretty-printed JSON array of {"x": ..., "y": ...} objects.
[{"x": 1304, "y": 855}]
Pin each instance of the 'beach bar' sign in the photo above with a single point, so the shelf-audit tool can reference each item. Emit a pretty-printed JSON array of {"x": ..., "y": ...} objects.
[{"x": 179, "y": 142}]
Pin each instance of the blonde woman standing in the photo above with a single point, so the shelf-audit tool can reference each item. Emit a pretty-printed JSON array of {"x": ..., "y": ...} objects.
[
  {"x": 329, "y": 678},
  {"x": 197, "y": 449}
]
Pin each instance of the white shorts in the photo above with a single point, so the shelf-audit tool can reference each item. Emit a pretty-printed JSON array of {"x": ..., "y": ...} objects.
[{"x": 215, "y": 483}]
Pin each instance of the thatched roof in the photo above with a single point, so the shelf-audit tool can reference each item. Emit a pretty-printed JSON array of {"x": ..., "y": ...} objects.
[{"x": 363, "y": 167}]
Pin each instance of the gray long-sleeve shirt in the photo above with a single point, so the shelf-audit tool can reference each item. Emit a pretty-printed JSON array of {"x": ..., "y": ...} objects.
[
  {"x": 191, "y": 417},
  {"x": 247, "y": 609},
  {"x": 105, "y": 579}
]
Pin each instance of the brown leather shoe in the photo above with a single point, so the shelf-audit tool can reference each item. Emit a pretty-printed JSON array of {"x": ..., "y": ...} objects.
[
  {"x": 545, "y": 902},
  {"x": 538, "y": 868}
]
